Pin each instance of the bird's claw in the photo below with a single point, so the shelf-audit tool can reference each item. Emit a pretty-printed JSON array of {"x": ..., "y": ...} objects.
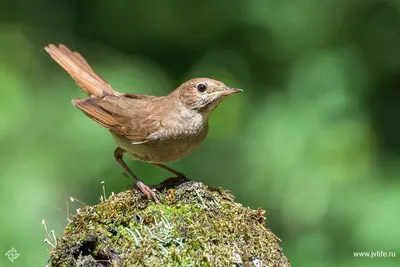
[{"x": 147, "y": 191}]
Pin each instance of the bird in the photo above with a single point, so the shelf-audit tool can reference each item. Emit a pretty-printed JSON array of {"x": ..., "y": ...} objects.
[{"x": 153, "y": 129}]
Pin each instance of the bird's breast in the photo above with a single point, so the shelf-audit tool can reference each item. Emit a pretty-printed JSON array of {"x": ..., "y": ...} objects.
[{"x": 166, "y": 145}]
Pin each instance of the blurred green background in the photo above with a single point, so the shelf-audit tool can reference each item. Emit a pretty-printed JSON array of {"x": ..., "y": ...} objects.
[{"x": 314, "y": 138}]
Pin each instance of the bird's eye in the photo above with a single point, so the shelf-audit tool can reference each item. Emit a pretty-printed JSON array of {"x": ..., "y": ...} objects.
[{"x": 201, "y": 87}]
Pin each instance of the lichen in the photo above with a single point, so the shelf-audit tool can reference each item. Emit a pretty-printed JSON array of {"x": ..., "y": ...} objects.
[{"x": 195, "y": 225}]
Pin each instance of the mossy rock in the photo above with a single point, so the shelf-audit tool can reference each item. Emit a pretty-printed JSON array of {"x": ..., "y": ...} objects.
[{"x": 195, "y": 225}]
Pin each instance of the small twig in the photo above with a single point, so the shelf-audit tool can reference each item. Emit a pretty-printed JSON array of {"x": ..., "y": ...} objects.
[
  {"x": 77, "y": 200},
  {"x": 104, "y": 190},
  {"x": 137, "y": 242},
  {"x": 201, "y": 199}
]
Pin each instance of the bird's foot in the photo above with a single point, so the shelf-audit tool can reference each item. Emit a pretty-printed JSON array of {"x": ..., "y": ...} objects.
[{"x": 147, "y": 191}]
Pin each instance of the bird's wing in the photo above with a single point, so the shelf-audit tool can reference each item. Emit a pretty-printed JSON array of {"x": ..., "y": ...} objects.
[{"x": 133, "y": 117}]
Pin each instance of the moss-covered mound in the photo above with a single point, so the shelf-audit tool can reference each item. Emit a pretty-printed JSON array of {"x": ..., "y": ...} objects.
[{"x": 195, "y": 225}]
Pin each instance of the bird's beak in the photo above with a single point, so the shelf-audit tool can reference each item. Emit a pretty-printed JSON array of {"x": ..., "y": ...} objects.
[{"x": 230, "y": 91}]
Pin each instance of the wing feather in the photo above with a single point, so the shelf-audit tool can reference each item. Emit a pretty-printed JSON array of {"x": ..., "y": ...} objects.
[{"x": 133, "y": 118}]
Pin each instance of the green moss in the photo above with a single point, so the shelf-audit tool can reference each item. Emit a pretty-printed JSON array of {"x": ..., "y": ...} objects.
[{"x": 195, "y": 225}]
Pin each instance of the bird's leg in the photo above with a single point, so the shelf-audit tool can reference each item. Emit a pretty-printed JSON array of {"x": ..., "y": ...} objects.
[
  {"x": 178, "y": 174},
  {"x": 118, "y": 153}
]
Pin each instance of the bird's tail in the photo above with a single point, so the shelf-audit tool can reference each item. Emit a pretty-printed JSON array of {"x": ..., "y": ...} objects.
[{"x": 80, "y": 71}]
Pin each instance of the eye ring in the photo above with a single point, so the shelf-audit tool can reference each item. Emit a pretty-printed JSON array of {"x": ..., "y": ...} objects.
[{"x": 201, "y": 88}]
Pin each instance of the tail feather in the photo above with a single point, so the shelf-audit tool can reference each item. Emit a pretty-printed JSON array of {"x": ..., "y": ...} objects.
[{"x": 78, "y": 68}]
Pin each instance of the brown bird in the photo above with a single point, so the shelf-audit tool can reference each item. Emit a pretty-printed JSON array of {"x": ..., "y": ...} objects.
[{"x": 154, "y": 129}]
